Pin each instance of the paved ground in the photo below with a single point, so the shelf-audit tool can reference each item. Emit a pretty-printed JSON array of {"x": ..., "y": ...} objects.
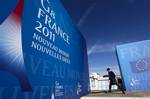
[
  {"x": 118, "y": 95},
  {"x": 114, "y": 98}
]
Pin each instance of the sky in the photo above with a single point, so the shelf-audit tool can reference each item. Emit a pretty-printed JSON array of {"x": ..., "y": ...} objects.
[{"x": 108, "y": 23}]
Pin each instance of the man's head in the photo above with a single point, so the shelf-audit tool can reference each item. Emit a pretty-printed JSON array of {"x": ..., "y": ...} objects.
[{"x": 108, "y": 69}]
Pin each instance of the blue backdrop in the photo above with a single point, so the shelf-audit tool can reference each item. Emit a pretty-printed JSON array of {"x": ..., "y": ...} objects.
[
  {"x": 134, "y": 59},
  {"x": 42, "y": 53},
  {"x": 6, "y": 8}
]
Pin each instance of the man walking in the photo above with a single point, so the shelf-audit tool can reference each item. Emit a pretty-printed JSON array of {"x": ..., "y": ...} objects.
[{"x": 112, "y": 79}]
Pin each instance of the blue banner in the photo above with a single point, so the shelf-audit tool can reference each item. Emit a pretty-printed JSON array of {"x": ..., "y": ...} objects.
[
  {"x": 134, "y": 62},
  {"x": 42, "y": 53}
]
